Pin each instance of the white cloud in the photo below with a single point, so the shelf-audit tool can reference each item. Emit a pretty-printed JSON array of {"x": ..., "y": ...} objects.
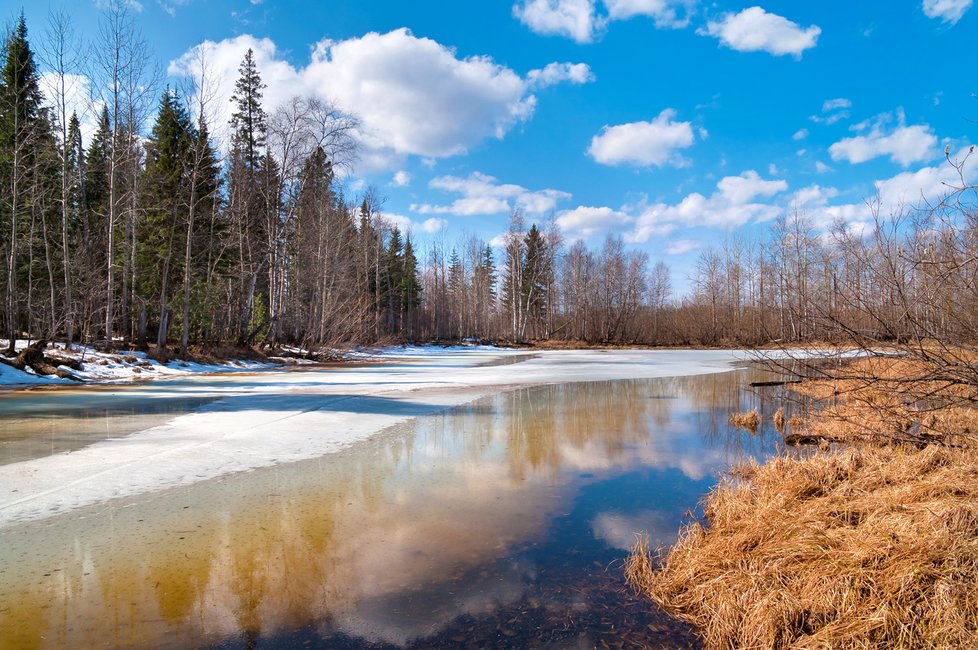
[
  {"x": 413, "y": 95},
  {"x": 666, "y": 13},
  {"x": 950, "y": 11},
  {"x": 586, "y": 221},
  {"x": 835, "y": 104},
  {"x": 401, "y": 179},
  {"x": 753, "y": 29},
  {"x": 833, "y": 110},
  {"x": 407, "y": 225},
  {"x": 575, "y": 19},
  {"x": 904, "y": 144},
  {"x": 731, "y": 206},
  {"x": 821, "y": 168},
  {"x": 554, "y": 73},
  {"x": 433, "y": 225},
  {"x": 927, "y": 185},
  {"x": 682, "y": 246},
  {"x": 920, "y": 188},
  {"x": 77, "y": 99},
  {"x": 483, "y": 194},
  {"x": 800, "y": 134},
  {"x": 643, "y": 143},
  {"x": 740, "y": 190}
]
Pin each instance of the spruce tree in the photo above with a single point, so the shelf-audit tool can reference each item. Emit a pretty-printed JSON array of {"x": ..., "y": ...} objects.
[
  {"x": 248, "y": 130},
  {"x": 165, "y": 197},
  {"x": 409, "y": 285},
  {"x": 247, "y": 200},
  {"x": 21, "y": 128}
]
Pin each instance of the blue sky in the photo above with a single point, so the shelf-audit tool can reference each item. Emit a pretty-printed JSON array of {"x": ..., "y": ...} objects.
[{"x": 674, "y": 123}]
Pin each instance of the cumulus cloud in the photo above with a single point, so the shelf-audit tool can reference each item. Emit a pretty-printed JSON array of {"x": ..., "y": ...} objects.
[
  {"x": 749, "y": 198},
  {"x": 401, "y": 179},
  {"x": 927, "y": 185},
  {"x": 734, "y": 203},
  {"x": 682, "y": 246},
  {"x": 903, "y": 144},
  {"x": 949, "y": 11},
  {"x": 483, "y": 194},
  {"x": 920, "y": 188},
  {"x": 670, "y": 14},
  {"x": 754, "y": 29},
  {"x": 800, "y": 134},
  {"x": 413, "y": 95},
  {"x": 582, "y": 21},
  {"x": 587, "y": 221},
  {"x": 407, "y": 225},
  {"x": 575, "y": 19},
  {"x": 77, "y": 99},
  {"x": 643, "y": 143},
  {"x": 555, "y": 73}
]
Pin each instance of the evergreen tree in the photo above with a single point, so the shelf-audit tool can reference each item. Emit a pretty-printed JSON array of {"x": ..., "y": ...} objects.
[
  {"x": 165, "y": 197},
  {"x": 248, "y": 202},
  {"x": 535, "y": 272},
  {"x": 248, "y": 120},
  {"x": 409, "y": 285},
  {"x": 21, "y": 128},
  {"x": 205, "y": 237},
  {"x": 75, "y": 167}
]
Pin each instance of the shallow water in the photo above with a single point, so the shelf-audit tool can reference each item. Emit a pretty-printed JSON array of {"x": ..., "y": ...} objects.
[{"x": 501, "y": 523}]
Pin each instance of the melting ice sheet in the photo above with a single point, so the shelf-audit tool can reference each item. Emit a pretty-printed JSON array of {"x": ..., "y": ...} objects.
[
  {"x": 500, "y": 522},
  {"x": 241, "y": 422}
]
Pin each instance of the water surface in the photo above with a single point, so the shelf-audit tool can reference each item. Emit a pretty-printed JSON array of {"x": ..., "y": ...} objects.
[{"x": 501, "y": 523}]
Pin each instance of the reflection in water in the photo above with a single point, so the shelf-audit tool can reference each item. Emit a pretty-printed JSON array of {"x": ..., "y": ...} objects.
[
  {"x": 492, "y": 524},
  {"x": 31, "y": 434}
]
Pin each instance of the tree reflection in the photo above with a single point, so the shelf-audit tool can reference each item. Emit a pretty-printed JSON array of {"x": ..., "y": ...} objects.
[{"x": 433, "y": 507}]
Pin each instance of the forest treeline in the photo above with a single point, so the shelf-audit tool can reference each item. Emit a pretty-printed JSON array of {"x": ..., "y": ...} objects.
[{"x": 151, "y": 235}]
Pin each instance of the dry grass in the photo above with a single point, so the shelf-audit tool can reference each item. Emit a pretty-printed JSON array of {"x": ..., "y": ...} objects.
[
  {"x": 779, "y": 419},
  {"x": 748, "y": 420},
  {"x": 875, "y": 546},
  {"x": 892, "y": 399}
]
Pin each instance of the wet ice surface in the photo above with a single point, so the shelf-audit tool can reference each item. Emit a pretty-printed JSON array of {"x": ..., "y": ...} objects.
[
  {"x": 248, "y": 421},
  {"x": 498, "y": 523}
]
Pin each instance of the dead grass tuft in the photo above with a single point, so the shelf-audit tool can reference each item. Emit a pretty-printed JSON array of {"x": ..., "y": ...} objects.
[
  {"x": 779, "y": 419},
  {"x": 748, "y": 420},
  {"x": 875, "y": 546}
]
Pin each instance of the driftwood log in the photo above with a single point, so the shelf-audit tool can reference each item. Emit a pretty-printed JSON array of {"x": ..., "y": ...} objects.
[{"x": 33, "y": 357}]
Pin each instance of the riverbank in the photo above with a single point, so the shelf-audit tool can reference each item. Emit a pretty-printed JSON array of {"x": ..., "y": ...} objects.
[{"x": 870, "y": 542}]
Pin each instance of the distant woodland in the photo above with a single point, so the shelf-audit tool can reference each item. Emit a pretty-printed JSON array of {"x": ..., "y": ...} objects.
[{"x": 150, "y": 234}]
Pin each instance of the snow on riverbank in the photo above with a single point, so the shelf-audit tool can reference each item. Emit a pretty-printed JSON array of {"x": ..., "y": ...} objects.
[
  {"x": 117, "y": 366},
  {"x": 266, "y": 418}
]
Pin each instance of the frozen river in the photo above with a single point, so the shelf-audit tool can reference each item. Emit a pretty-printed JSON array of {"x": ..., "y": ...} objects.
[{"x": 433, "y": 498}]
